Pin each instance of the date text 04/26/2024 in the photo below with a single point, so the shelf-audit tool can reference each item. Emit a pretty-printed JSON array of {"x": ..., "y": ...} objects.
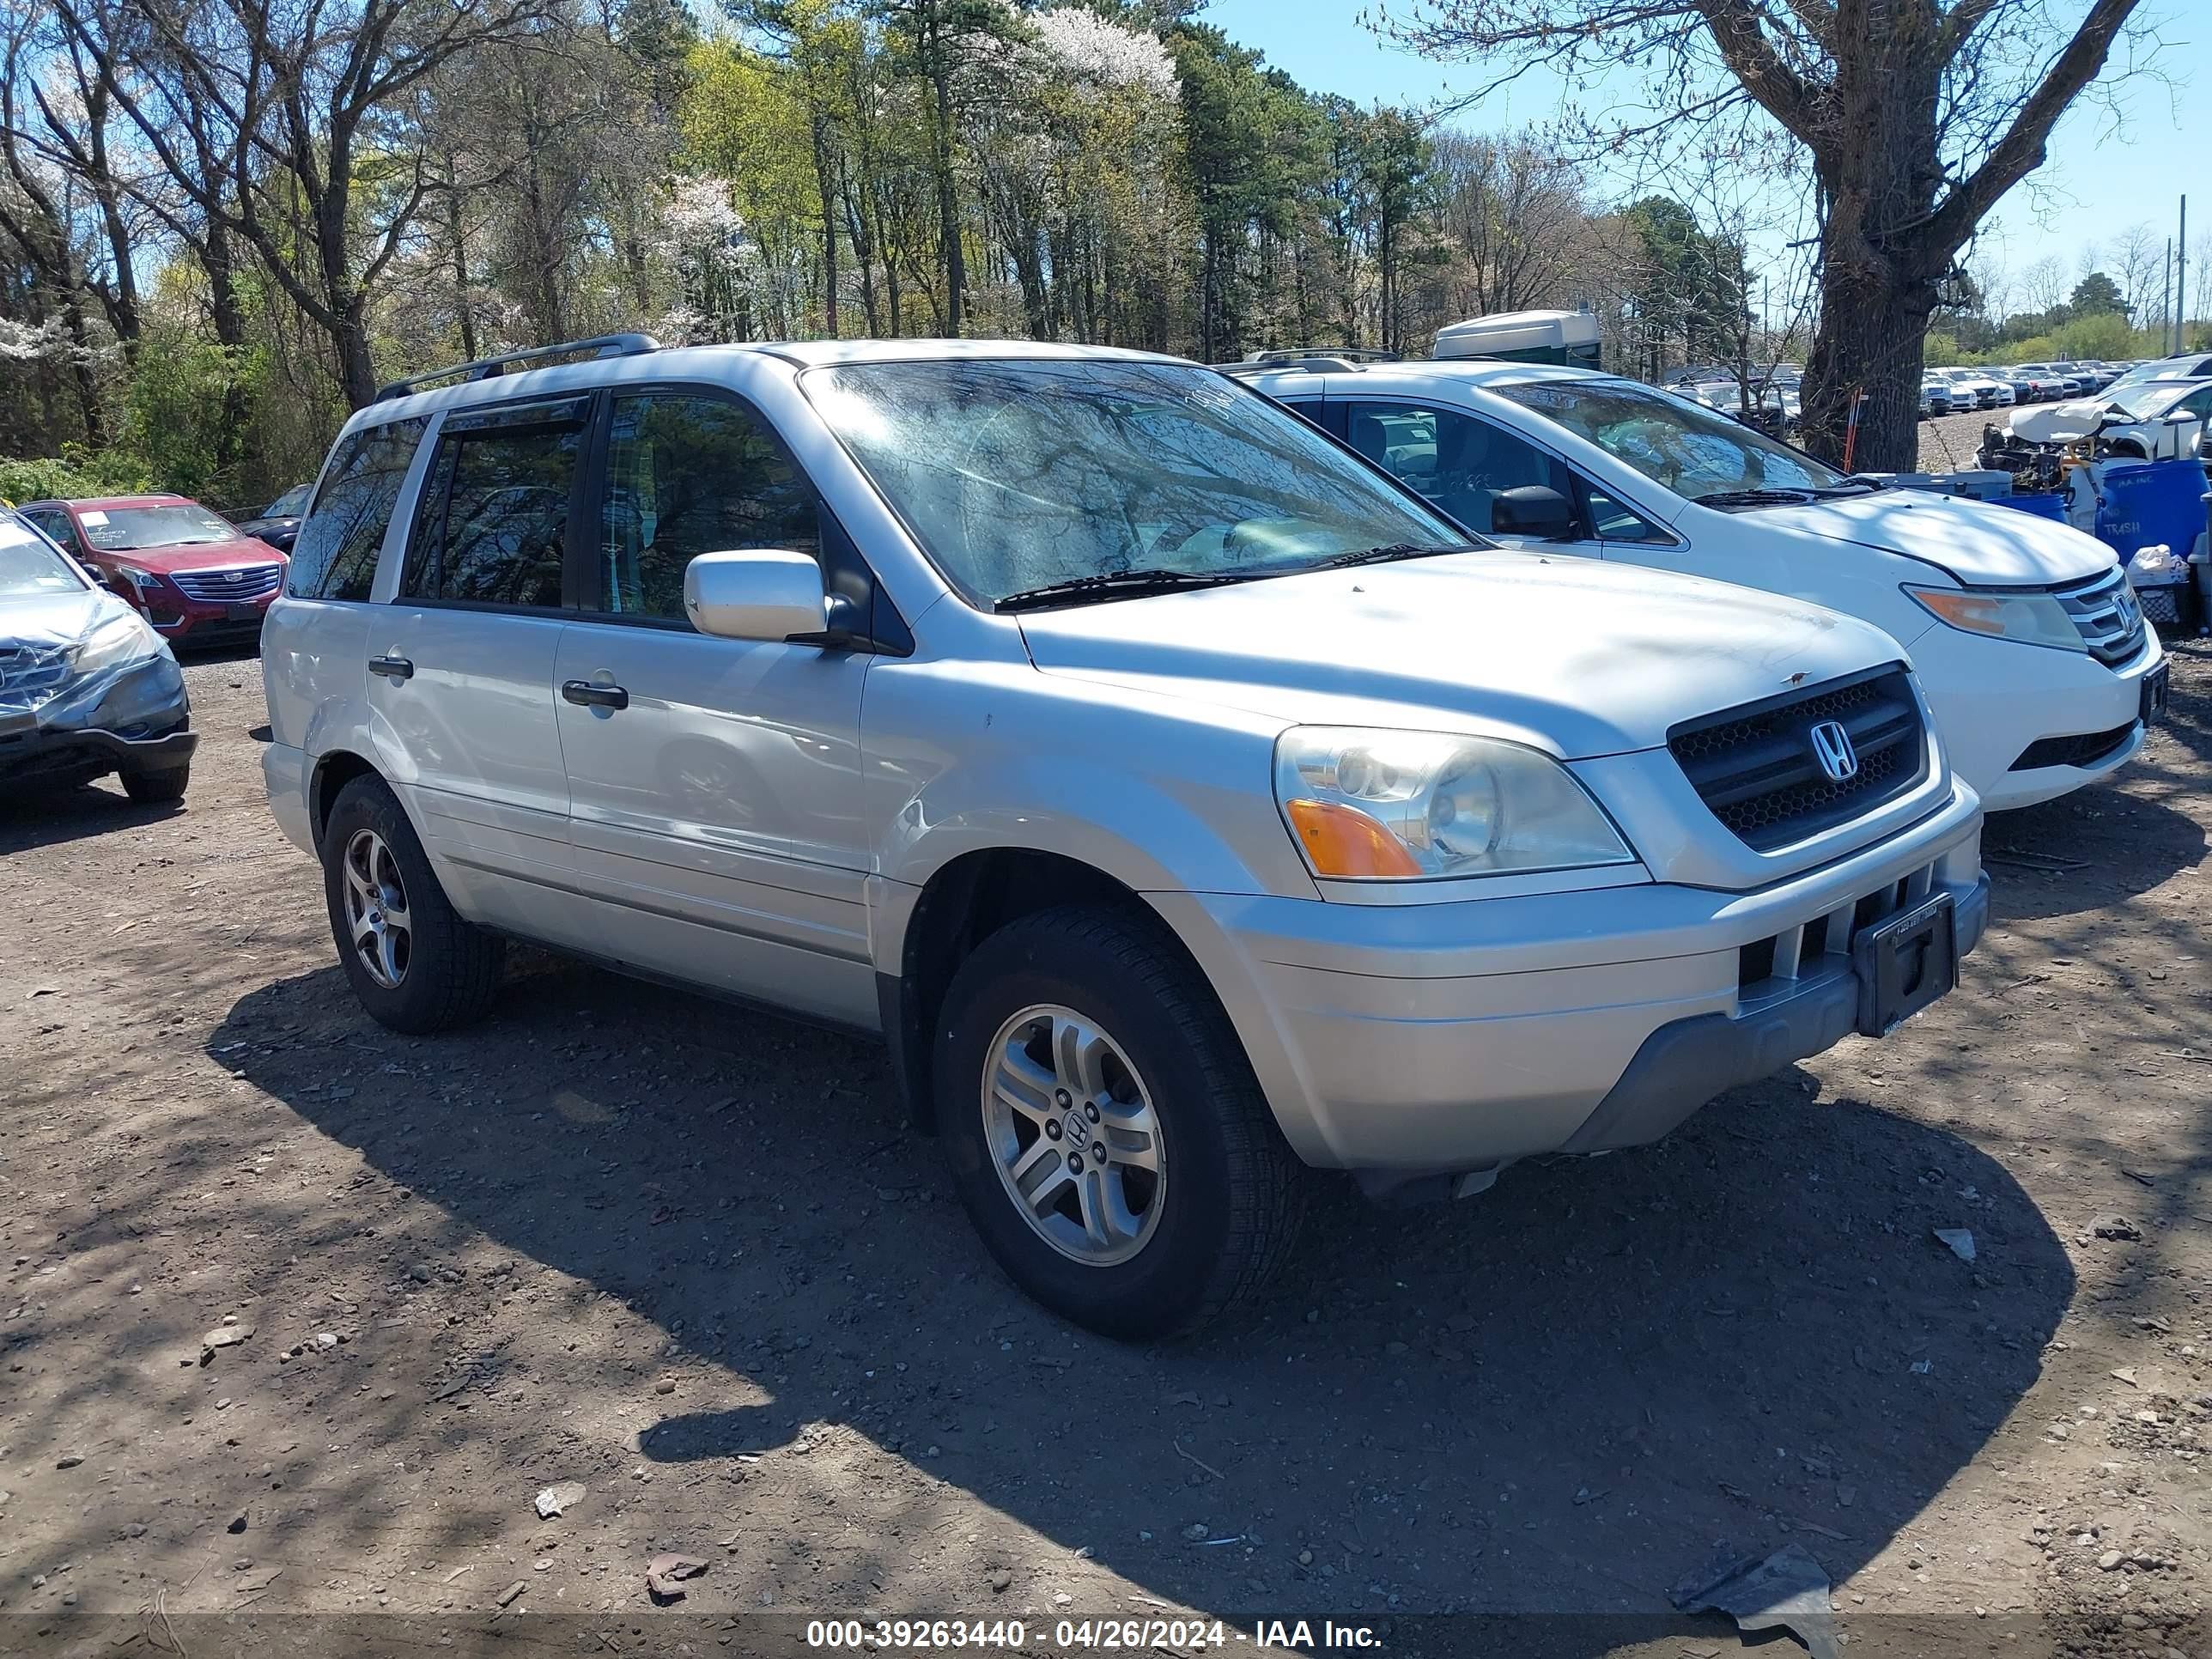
[{"x": 1140, "y": 1635}]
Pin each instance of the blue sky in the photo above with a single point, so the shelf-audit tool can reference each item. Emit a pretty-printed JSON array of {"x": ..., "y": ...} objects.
[{"x": 2097, "y": 182}]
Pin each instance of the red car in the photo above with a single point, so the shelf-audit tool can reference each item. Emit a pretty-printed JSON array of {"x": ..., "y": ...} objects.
[{"x": 199, "y": 581}]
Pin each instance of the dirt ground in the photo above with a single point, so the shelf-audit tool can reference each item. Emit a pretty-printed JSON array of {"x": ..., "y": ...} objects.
[
  {"x": 1948, "y": 442},
  {"x": 690, "y": 1258}
]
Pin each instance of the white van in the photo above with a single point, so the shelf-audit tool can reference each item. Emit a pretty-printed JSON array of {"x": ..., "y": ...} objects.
[{"x": 2028, "y": 640}]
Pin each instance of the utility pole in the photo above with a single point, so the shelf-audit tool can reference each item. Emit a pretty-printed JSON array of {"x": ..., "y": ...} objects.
[{"x": 2181, "y": 281}]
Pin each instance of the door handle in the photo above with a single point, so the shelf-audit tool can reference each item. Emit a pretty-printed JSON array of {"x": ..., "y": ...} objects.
[
  {"x": 586, "y": 695},
  {"x": 397, "y": 667}
]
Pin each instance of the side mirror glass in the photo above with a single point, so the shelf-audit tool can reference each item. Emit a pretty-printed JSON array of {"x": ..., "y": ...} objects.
[
  {"x": 1533, "y": 510},
  {"x": 758, "y": 593}
]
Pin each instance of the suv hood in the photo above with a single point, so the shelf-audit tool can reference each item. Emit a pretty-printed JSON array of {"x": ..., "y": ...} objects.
[
  {"x": 1981, "y": 544},
  {"x": 1576, "y": 658},
  {"x": 43, "y": 620}
]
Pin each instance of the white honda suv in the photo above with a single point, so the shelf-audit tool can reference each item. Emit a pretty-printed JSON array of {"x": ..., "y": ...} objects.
[{"x": 1180, "y": 798}]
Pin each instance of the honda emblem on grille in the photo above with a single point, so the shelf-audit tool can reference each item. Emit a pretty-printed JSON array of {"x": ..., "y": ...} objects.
[{"x": 1831, "y": 747}]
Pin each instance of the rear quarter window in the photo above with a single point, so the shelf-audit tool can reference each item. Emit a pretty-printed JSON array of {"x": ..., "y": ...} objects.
[{"x": 335, "y": 556}]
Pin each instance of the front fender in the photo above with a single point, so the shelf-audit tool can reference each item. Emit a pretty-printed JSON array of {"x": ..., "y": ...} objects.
[{"x": 1163, "y": 795}]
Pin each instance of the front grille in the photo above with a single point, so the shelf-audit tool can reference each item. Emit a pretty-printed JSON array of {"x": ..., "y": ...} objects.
[
  {"x": 2083, "y": 748},
  {"x": 227, "y": 586},
  {"x": 1755, "y": 768},
  {"x": 29, "y": 675},
  {"x": 2107, "y": 614}
]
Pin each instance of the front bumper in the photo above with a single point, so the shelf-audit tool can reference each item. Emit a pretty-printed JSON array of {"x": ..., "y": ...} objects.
[
  {"x": 1408, "y": 1041},
  {"x": 1995, "y": 699},
  {"x": 134, "y": 719},
  {"x": 40, "y": 756}
]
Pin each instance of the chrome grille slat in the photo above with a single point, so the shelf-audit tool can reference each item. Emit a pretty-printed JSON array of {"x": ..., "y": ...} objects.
[
  {"x": 228, "y": 585},
  {"x": 25, "y": 670},
  {"x": 2104, "y": 613}
]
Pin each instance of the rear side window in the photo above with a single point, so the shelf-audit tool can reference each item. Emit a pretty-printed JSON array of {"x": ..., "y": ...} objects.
[
  {"x": 494, "y": 523},
  {"x": 687, "y": 476},
  {"x": 335, "y": 556}
]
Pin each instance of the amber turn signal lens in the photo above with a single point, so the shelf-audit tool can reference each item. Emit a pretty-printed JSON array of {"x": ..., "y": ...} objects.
[{"x": 1343, "y": 841}]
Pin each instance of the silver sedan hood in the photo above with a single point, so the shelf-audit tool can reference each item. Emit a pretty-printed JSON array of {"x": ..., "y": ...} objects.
[{"x": 1577, "y": 657}]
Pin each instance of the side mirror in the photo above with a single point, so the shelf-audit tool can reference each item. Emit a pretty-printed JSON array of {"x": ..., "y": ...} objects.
[
  {"x": 759, "y": 593},
  {"x": 1533, "y": 510}
]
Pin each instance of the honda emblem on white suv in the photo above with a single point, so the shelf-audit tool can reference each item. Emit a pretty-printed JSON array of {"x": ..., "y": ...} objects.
[{"x": 1831, "y": 747}]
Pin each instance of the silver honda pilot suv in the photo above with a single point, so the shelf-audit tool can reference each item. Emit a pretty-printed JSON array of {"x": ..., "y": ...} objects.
[{"x": 1184, "y": 803}]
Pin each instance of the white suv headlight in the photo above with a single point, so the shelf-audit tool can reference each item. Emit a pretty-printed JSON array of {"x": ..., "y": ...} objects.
[{"x": 1370, "y": 803}]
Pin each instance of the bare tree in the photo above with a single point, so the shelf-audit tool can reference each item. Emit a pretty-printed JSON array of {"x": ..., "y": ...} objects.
[
  {"x": 2045, "y": 284},
  {"x": 315, "y": 112},
  {"x": 1913, "y": 118},
  {"x": 2137, "y": 261}
]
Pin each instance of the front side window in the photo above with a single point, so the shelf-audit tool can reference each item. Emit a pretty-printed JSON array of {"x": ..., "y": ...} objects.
[
  {"x": 494, "y": 523},
  {"x": 1017, "y": 474},
  {"x": 56, "y": 524},
  {"x": 178, "y": 524},
  {"x": 335, "y": 556},
  {"x": 1692, "y": 451},
  {"x": 689, "y": 475},
  {"x": 29, "y": 567},
  {"x": 1457, "y": 460}
]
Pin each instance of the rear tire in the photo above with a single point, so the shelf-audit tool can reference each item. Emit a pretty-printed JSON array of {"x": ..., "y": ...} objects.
[
  {"x": 416, "y": 966},
  {"x": 1177, "y": 1203},
  {"x": 157, "y": 788}
]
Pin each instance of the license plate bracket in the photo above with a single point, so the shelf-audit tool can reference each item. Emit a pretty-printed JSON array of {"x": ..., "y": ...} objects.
[
  {"x": 1905, "y": 964},
  {"x": 242, "y": 613},
  {"x": 2152, "y": 709}
]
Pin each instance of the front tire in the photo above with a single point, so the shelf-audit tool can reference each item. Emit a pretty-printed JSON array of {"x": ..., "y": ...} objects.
[
  {"x": 1106, "y": 1135},
  {"x": 157, "y": 788},
  {"x": 416, "y": 966}
]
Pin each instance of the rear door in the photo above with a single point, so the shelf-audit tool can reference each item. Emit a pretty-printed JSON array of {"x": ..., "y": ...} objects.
[
  {"x": 714, "y": 785},
  {"x": 461, "y": 663}
]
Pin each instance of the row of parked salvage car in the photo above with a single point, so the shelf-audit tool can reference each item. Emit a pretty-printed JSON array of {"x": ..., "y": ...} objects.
[{"x": 1195, "y": 779}]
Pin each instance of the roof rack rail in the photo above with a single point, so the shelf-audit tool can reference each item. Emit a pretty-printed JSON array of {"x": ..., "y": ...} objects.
[
  {"x": 1317, "y": 362},
  {"x": 599, "y": 345}
]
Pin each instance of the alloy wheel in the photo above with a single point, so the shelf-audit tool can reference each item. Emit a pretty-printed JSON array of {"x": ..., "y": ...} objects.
[
  {"x": 377, "y": 920},
  {"x": 1074, "y": 1135}
]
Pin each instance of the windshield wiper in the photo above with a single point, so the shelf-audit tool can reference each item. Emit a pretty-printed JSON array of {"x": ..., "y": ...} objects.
[
  {"x": 1116, "y": 584},
  {"x": 1754, "y": 498},
  {"x": 1392, "y": 551}
]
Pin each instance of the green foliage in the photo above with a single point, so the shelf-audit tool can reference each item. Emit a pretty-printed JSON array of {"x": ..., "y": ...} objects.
[
  {"x": 187, "y": 404},
  {"x": 77, "y": 471},
  {"x": 2098, "y": 295}
]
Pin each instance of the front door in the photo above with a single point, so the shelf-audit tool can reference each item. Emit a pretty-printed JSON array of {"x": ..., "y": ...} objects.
[
  {"x": 714, "y": 785},
  {"x": 461, "y": 664},
  {"x": 1461, "y": 463}
]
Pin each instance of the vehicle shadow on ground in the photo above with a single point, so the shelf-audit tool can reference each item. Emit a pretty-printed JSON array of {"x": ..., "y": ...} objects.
[
  {"x": 1559, "y": 1396},
  {"x": 33, "y": 818}
]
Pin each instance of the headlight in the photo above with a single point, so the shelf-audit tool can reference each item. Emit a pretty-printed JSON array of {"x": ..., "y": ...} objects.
[
  {"x": 118, "y": 640},
  {"x": 144, "y": 581},
  {"x": 1409, "y": 805},
  {"x": 2030, "y": 618}
]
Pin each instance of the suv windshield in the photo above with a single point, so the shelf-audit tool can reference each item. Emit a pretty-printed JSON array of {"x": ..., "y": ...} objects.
[
  {"x": 290, "y": 505},
  {"x": 1692, "y": 451},
  {"x": 29, "y": 567},
  {"x": 1020, "y": 474},
  {"x": 179, "y": 524}
]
